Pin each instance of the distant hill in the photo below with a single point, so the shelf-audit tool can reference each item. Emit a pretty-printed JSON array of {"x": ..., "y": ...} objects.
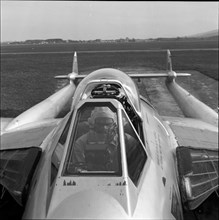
[{"x": 208, "y": 34}]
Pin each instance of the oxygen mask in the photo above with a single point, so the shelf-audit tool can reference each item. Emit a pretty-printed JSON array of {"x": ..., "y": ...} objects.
[{"x": 103, "y": 125}]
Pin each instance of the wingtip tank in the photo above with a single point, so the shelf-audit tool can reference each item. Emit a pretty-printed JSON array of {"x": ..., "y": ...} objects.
[{"x": 53, "y": 105}]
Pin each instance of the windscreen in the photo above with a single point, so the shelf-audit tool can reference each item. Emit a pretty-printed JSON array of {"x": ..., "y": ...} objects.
[
  {"x": 94, "y": 147},
  {"x": 135, "y": 153}
]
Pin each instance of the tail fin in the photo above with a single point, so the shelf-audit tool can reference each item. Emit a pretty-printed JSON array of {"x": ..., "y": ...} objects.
[
  {"x": 73, "y": 76},
  {"x": 75, "y": 64},
  {"x": 169, "y": 62}
]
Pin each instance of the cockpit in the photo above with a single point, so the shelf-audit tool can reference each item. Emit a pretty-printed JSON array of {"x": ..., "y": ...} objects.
[
  {"x": 102, "y": 138},
  {"x": 105, "y": 136}
]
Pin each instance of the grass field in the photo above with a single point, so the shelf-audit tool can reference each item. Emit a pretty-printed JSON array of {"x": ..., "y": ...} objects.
[
  {"x": 150, "y": 45},
  {"x": 27, "y": 71}
]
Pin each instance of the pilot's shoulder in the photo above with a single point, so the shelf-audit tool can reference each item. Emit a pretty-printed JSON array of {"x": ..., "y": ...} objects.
[{"x": 83, "y": 138}]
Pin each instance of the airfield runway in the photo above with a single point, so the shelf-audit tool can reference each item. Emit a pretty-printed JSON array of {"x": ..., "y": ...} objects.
[{"x": 106, "y": 51}]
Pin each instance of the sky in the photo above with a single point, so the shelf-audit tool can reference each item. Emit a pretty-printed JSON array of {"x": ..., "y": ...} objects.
[{"x": 89, "y": 20}]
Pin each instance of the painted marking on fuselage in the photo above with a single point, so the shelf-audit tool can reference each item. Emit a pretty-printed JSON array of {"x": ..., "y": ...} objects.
[
  {"x": 164, "y": 180},
  {"x": 159, "y": 153},
  {"x": 121, "y": 184},
  {"x": 70, "y": 183}
]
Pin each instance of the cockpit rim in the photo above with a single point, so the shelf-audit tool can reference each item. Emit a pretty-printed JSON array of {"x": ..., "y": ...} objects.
[{"x": 111, "y": 75}]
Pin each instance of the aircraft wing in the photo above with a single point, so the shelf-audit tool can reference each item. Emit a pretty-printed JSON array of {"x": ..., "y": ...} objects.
[
  {"x": 29, "y": 135},
  {"x": 4, "y": 122},
  {"x": 197, "y": 159},
  {"x": 155, "y": 75},
  {"x": 19, "y": 154}
]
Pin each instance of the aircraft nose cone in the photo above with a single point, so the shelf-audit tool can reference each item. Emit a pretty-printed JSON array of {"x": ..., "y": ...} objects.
[{"x": 89, "y": 204}]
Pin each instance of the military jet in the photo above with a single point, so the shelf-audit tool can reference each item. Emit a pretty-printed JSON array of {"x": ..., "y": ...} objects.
[{"x": 144, "y": 166}]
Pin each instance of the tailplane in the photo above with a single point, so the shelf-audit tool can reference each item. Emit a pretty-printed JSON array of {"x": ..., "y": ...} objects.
[{"x": 169, "y": 73}]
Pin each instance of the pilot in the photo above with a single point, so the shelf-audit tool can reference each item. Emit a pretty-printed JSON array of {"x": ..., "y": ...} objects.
[{"x": 102, "y": 134}]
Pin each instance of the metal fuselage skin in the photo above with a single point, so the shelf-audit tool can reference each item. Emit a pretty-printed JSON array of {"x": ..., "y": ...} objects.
[{"x": 156, "y": 196}]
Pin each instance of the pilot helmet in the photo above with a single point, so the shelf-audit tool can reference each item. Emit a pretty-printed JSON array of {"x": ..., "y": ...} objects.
[{"x": 101, "y": 119}]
